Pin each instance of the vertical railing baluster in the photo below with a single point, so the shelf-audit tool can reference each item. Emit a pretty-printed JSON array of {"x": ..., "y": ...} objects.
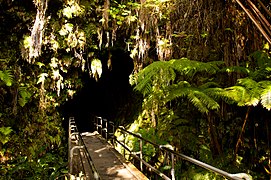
[
  {"x": 172, "y": 167},
  {"x": 141, "y": 153},
  {"x": 101, "y": 122},
  {"x": 124, "y": 138},
  {"x": 112, "y": 133},
  {"x": 97, "y": 123},
  {"x": 106, "y": 129}
]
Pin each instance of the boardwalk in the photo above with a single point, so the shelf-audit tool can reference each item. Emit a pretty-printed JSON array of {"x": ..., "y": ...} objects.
[
  {"x": 108, "y": 162},
  {"x": 92, "y": 157}
]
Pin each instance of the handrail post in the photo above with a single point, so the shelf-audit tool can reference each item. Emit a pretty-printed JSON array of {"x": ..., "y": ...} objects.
[
  {"x": 172, "y": 172},
  {"x": 72, "y": 149},
  {"x": 106, "y": 128},
  {"x": 140, "y": 151},
  {"x": 124, "y": 137},
  {"x": 172, "y": 167},
  {"x": 69, "y": 143},
  {"x": 101, "y": 123},
  {"x": 97, "y": 124},
  {"x": 111, "y": 134}
]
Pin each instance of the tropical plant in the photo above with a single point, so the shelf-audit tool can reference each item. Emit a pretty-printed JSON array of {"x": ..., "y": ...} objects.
[
  {"x": 179, "y": 78},
  {"x": 7, "y": 77}
]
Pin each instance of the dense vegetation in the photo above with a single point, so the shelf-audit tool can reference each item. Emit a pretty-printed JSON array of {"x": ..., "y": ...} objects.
[{"x": 201, "y": 77}]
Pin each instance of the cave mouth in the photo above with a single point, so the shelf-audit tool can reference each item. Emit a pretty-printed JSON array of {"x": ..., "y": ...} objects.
[{"x": 106, "y": 97}]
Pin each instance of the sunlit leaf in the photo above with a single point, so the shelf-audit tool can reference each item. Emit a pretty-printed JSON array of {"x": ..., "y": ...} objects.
[
  {"x": 266, "y": 98},
  {"x": 69, "y": 27},
  {"x": 4, "y": 134},
  {"x": 7, "y": 77},
  {"x": 72, "y": 40},
  {"x": 63, "y": 32},
  {"x": 67, "y": 12},
  {"x": 27, "y": 41},
  {"x": 42, "y": 77},
  {"x": 96, "y": 68},
  {"x": 40, "y": 64}
]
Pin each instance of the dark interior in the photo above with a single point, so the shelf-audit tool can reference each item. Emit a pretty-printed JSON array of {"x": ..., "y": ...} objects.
[{"x": 103, "y": 97}]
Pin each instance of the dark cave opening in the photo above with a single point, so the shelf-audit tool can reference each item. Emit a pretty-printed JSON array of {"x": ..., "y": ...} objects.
[{"x": 104, "y": 97}]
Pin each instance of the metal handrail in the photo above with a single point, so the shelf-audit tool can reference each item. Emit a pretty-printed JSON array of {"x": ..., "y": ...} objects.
[
  {"x": 167, "y": 148},
  {"x": 80, "y": 144}
]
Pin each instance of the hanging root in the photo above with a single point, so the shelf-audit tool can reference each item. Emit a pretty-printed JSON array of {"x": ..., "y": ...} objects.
[{"x": 38, "y": 30}]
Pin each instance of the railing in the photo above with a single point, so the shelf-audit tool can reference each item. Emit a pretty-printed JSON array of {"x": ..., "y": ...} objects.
[
  {"x": 107, "y": 129},
  {"x": 76, "y": 143}
]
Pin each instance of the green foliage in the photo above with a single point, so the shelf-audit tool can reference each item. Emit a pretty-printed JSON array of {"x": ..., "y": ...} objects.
[
  {"x": 169, "y": 84},
  {"x": 7, "y": 77},
  {"x": 262, "y": 62},
  {"x": 5, "y": 134},
  {"x": 266, "y": 97},
  {"x": 24, "y": 96},
  {"x": 197, "y": 96},
  {"x": 173, "y": 77},
  {"x": 197, "y": 174},
  {"x": 178, "y": 94},
  {"x": 248, "y": 92},
  {"x": 72, "y": 9},
  {"x": 50, "y": 166},
  {"x": 167, "y": 71}
]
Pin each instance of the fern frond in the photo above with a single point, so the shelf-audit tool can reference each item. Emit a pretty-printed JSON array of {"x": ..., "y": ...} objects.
[
  {"x": 266, "y": 98},
  {"x": 206, "y": 100},
  {"x": 262, "y": 58},
  {"x": 238, "y": 69},
  {"x": 24, "y": 96},
  {"x": 189, "y": 67},
  {"x": 208, "y": 85},
  {"x": 219, "y": 94},
  {"x": 159, "y": 72},
  {"x": 196, "y": 96},
  {"x": 7, "y": 77},
  {"x": 248, "y": 83},
  {"x": 182, "y": 89},
  {"x": 253, "y": 91},
  {"x": 238, "y": 94},
  {"x": 164, "y": 72},
  {"x": 197, "y": 103},
  {"x": 242, "y": 96},
  {"x": 264, "y": 84}
]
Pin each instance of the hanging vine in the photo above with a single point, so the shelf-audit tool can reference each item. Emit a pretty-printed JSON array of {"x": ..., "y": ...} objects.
[{"x": 38, "y": 30}]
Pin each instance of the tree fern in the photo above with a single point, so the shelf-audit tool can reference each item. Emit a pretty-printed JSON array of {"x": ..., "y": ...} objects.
[
  {"x": 240, "y": 95},
  {"x": 7, "y": 77},
  {"x": 164, "y": 72},
  {"x": 182, "y": 89},
  {"x": 206, "y": 100},
  {"x": 189, "y": 67},
  {"x": 265, "y": 95},
  {"x": 154, "y": 73},
  {"x": 266, "y": 98},
  {"x": 247, "y": 92},
  {"x": 202, "y": 101}
]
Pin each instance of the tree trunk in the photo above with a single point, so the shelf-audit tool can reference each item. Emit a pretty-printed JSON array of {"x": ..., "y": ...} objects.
[
  {"x": 241, "y": 133},
  {"x": 215, "y": 146}
]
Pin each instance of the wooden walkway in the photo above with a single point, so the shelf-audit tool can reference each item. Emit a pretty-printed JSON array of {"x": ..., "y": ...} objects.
[{"x": 109, "y": 163}]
